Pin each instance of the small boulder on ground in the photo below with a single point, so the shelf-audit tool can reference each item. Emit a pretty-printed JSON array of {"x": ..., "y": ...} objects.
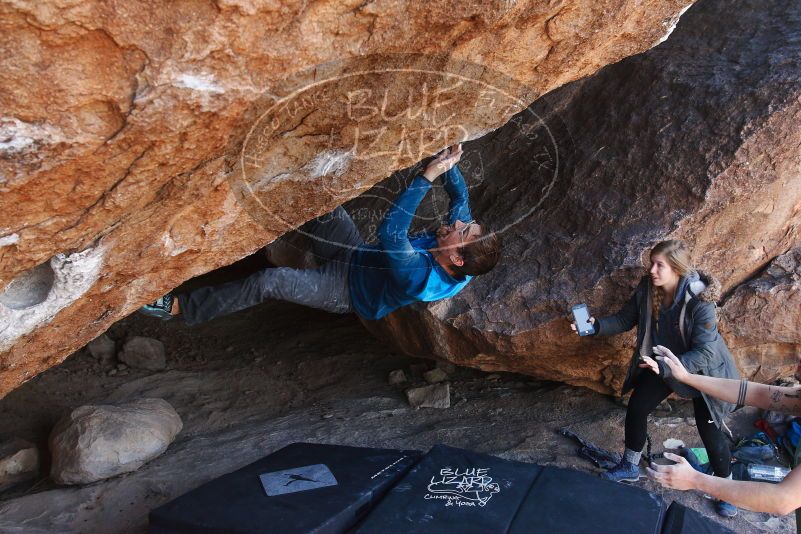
[
  {"x": 19, "y": 461},
  {"x": 673, "y": 443},
  {"x": 144, "y": 353},
  {"x": 102, "y": 348},
  {"x": 433, "y": 396},
  {"x": 97, "y": 442},
  {"x": 397, "y": 377},
  {"x": 435, "y": 375}
]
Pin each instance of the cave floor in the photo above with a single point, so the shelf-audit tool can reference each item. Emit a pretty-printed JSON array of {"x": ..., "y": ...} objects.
[{"x": 251, "y": 383}]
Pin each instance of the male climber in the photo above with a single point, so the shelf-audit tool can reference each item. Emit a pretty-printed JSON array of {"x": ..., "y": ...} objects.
[{"x": 372, "y": 280}]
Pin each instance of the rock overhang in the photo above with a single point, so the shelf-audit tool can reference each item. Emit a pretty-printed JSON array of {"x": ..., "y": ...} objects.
[{"x": 119, "y": 123}]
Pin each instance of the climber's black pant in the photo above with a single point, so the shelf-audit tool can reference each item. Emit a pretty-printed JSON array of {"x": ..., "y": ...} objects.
[
  {"x": 334, "y": 237},
  {"x": 649, "y": 391}
]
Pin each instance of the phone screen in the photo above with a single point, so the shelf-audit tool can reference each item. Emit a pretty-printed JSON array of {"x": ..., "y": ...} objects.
[{"x": 582, "y": 317}]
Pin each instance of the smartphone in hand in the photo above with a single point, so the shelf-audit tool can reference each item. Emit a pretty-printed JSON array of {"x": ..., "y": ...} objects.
[{"x": 581, "y": 316}]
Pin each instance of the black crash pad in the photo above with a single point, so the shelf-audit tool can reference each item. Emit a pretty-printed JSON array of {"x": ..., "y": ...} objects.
[
  {"x": 683, "y": 520},
  {"x": 566, "y": 500},
  {"x": 303, "y": 487},
  {"x": 454, "y": 490}
]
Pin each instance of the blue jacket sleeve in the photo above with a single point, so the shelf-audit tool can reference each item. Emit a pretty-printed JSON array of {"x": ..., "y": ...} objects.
[
  {"x": 408, "y": 267},
  {"x": 456, "y": 188}
]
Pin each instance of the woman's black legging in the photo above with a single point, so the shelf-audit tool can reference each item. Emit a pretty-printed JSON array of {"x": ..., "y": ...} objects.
[{"x": 649, "y": 391}]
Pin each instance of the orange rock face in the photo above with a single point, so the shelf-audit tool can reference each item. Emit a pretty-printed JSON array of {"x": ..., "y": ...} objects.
[
  {"x": 763, "y": 317},
  {"x": 144, "y": 143}
]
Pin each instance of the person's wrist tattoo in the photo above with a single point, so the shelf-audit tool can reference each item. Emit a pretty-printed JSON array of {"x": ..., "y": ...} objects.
[{"x": 742, "y": 393}]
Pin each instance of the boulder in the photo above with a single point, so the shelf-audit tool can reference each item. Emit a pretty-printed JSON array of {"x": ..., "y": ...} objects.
[
  {"x": 146, "y": 143},
  {"x": 143, "y": 353},
  {"x": 19, "y": 462},
  {"x": 695, "y": 139},
  {"x": 95, "y": 442},
  {"x": 397, "y": 377},
  {"x": 433, "y": 396},
  {"x": 102, "y": 348},
  {"x": 435, "y": 375}
]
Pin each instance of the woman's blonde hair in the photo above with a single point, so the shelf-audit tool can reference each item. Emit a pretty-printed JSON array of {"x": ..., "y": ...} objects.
[{"x": 677, "y": 255}]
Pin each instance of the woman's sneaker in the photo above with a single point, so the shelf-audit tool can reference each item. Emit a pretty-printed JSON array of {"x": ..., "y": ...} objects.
[
  {"x": 725, "y": 509},
  {"x": 624, "y": 471},
  {"x": 161, "y": 308}
]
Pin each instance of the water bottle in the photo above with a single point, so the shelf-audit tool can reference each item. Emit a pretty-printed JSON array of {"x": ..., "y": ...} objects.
[{"x": 767, "y": 473}]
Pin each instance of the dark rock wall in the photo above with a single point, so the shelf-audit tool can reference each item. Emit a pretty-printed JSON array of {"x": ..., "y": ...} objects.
[{"x": 695, "y": 139}]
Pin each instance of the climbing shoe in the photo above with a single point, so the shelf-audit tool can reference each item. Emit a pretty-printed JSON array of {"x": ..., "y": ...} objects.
[
  {"x": 624, "y": 471},
  {"x": 725, "y": 509},
  {"x": 160, "y": 308}
]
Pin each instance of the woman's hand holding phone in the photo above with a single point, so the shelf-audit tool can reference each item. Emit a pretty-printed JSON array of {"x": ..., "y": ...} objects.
[{"x": 573, "y": 327}]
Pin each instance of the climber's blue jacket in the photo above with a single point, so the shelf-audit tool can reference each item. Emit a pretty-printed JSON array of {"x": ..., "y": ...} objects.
[{"x": 399, "y": 270}]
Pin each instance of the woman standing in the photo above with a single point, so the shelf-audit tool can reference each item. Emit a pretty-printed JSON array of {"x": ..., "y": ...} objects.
[{"x": 673, "y": 307}]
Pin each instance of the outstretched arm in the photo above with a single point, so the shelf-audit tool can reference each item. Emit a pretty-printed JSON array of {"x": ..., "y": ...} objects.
[
  {"x": 393, "y": 234},
  {"x": 776, "y": 398},
  {"x": 780, "y": 499},
  {"x": 455, "y": 186}
]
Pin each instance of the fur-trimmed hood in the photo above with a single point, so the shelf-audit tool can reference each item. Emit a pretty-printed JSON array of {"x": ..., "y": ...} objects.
[{"x": 706, "y": 287}]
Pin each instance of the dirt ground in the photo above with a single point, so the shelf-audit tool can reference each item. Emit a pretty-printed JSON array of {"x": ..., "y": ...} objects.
[{"x": 251, "y": 383}]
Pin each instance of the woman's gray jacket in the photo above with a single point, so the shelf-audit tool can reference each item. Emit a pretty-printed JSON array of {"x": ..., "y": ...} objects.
[{"x": 706, "y": 352}]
